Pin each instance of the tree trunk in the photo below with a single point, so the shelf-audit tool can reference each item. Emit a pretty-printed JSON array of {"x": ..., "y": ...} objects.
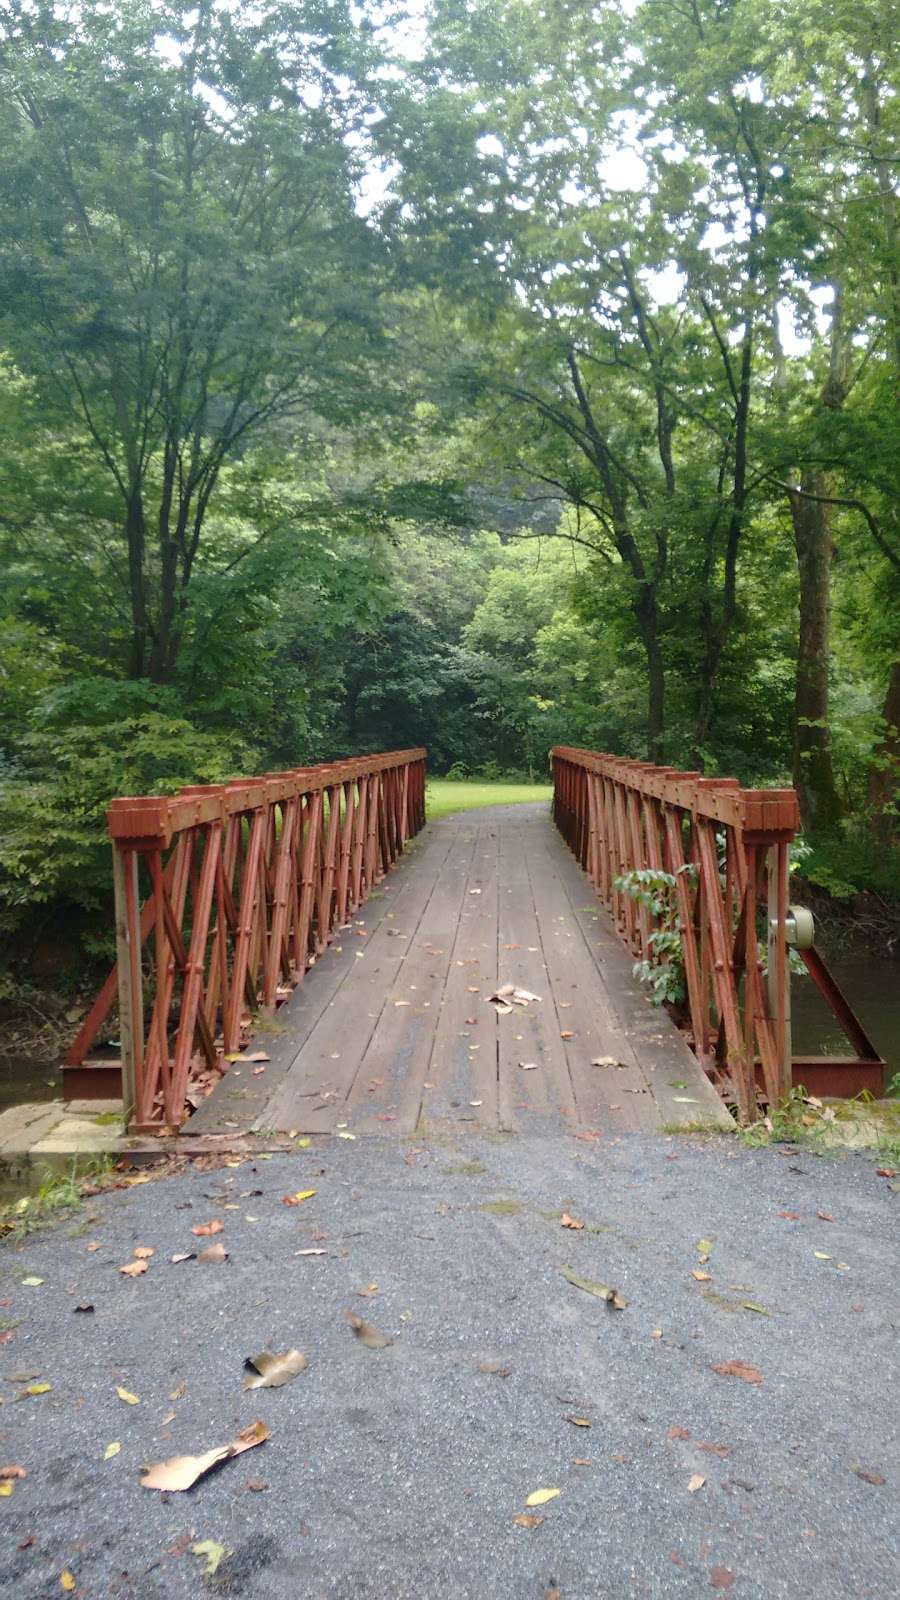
[
  {"x": 134, "y": 538},
  {"x": 884, "y": 779},
  {"x": 647, "y": 613},
  {"x": 820, "y": 807}
]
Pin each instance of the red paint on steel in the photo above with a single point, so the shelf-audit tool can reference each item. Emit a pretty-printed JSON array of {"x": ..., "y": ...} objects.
[
  {"x": 247, "y": 882},
  {"x": 726, "y": 848}
]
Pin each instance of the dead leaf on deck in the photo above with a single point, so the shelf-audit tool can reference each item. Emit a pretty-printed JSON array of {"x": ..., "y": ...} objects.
[
  {"x": 608, "y": 1061},
  {"x": 540, "y": 1497},
  {"x": 695, "y": 1483},
  {"x": 738, "y": 1369},
  {"x": 298, "y": 1198},
  {"x": 270, "y": 1372},
  {"x": 603, "y": 1291},
  {"x": 180, "y": 1472},
  {"x": 528, "y": 1066},
  {"x": 525, "y": 1520},
  {"x": 579, "y": 1422},
  {"x": 566, "y": 1221},
  {"x": 214, "y": 1253},
  {"x": 133, "y": 1269},
  {"x": 183, "y": 1255},
  {"x": 143, "y": 1252},
  {"x": 567, "y": 1034},
  {"x": 702, "y": 1277},
  {"x": 204, "y": 1230},
  {"x": 258, "y": 1055},
  {"x": 366, "y": 1333}
]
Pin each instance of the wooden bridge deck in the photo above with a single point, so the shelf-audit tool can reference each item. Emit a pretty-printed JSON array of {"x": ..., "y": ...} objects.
[{"x": 391, "y": 1031}]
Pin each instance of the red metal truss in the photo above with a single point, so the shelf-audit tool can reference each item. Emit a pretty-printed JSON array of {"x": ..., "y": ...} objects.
[
  {"x": 727, "y": 849},
  {"x": 246, "y": 883}
]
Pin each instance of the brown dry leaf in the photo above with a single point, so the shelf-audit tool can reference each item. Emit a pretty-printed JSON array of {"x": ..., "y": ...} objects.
[
  {"x": 868, "y": 1476},
  {"x": 179, "y": 1392},
  {"x": 366, "y": 1333},
  {"x": 790, "y": 1216},
  {"x": 721, "y": 1578},
  {"x": 183, "y": 1255},
  {"x": 143, "y": 1252},
  {"x": 94, "y": 1245},
  {"x": 720, "y": 1450},
  {"x": 181, "y": 1472},
  {"x": 526, "y": 1519},
  {"x": 495, "y": 1369},
  {"x": 10, "y": 1472},
  {"x": 214, "y": 1253},
  {"x": 582, "y": 1461},
  {"x": 608, "y": 1061},
  {"x": 824, "y": 1216},
  {"x": 204, "y": 1230},
  {"x": 367, "y": 1293},
  {"x": 702, "y": 1277},
  {"x": 258, "y": 1055},
  {"x": 738, "y": 1369},
  {"x": 567, "y": 1034},
  {"x": 256, "y": 1485},
  {"x": 677, "y": 1433},
  {"x": 270, "y": 1372},
  {"x": 133, "y": 1269},
  {"x": 579, "y": 1422},
  {"x": 695, "y": 1483},
  {"x": 656, "y": 1333},
  {"x": 298, "y": 1198},
  {"x": 566, "y": 1221}
]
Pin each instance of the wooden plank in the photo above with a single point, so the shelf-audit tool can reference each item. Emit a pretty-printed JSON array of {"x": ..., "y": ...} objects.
[{"x": 313, "y": 1095}]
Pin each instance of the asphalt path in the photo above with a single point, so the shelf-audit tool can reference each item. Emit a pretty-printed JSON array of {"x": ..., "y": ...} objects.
[{"x": 400, "y": 1472}]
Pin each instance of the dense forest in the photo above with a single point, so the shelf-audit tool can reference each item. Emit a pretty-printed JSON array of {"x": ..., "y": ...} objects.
[{"x": 482, "y": 375}]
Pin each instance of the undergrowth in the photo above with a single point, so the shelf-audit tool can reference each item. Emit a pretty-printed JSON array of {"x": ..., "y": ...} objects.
[{"x": 57, "y": 1193}]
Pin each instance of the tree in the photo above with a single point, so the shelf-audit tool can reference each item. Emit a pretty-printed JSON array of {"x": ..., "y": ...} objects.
[{"x": 182, "y": 267}]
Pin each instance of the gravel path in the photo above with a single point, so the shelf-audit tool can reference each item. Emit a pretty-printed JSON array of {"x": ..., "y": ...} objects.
[{"x": 399, "y": 1472}]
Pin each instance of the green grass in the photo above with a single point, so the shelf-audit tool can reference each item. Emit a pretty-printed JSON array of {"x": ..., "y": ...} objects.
[{"x": 443, "y": 796}]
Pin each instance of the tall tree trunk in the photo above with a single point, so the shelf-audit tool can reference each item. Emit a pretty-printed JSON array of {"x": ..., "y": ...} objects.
[
  {"x": 884, "y": 779},
  {"x": 647, "y": 613},
  {"x": 820, "y": 807},
  {"x": 135, "y": 540}
]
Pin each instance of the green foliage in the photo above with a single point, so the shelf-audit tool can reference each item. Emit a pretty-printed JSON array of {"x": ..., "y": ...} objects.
[{"x": 655, "y": 891}]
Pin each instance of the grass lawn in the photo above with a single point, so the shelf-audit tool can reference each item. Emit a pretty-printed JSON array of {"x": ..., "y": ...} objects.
[{"x": 446, "y": 795}]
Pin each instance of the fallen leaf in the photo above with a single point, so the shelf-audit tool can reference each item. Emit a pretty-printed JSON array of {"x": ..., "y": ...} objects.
[
  {"x": 738, "y": 1369},
  {"x": 582, "y": 1461},
  {"x": 169, "y": 1417},
  {"x": 310, "y": 1252},
  {"x": 256, "y": 1485},
  {"x": 298, "y": 1198},
  {"x": 752, "y": 1305},
  {"x": 180, "y": 1472},
  {"x": 495, "y": 1369},
  {"x": 528, "y": 1066},
  {"x": 790, "y": 1216},
  {"x": 204, "y": 1230},
  {"x": 38, "y": 1388},
  {"x": 608, "y": 1061},
  {"x": 566, "y": 1221},
  {"x": 676, "y": 1432},
  {"x": 370, "y": 1290},
  {"x": 567, "y": 1034},
  {"x": 129, "y": 1398},
  {"x": 343, "y": 1134},
  {"x": 824, "y": 1216},
  {"x": 183, "y": 1255},
  {"x": 721, "y": 1578},
  {"x": 12, "y": 1471},
  {"x": 695, "y": 1483},
  {"x": 603, "y": 1291},
  {"x": 111, "y": 1450},
  {"x": 94, "y": 1245},
  {"x": 133, "y": 1269},
  {"x": 702, "y": 1277},
  {"x": 258, "y": 1055},
  {"x": 886, "y": 1172},
  {"x": 86, "y": 1307},
  {"x": 214, "y": 1553},
  {"x": 366, "y": 1333},
  {"x": 6, "y": 1490},
  {"x": 143, "y": 1252},
  {"x": 179, "y": 1392},
  {"x": 273, "y": 1371},
  {"x": 66, "y": 1580},
  {"x": 539, "y": 1497},
  {"x": 32, "y": 1283},
  {"x": 579, "y": 1422},
  {"x": 868, "y": 1476},
  {"x": 821, "y": 1256},
  {"x": 524, "y": 1520},
  {"x": 213, "y": 1253},
  {"x": 656, "y": 1333}
]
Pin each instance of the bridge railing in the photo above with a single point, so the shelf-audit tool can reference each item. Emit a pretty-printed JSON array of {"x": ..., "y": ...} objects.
[
  {"x": 244, "y": 884},
  {"x": 723, "y": 851}
]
